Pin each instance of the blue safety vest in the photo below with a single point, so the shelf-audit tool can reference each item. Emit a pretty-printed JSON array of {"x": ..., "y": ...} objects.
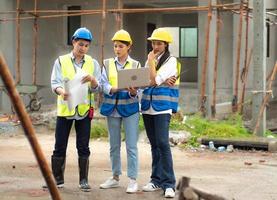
[
  {"x": 162, "y": 97},
  {"x": 121, "y": 101}
]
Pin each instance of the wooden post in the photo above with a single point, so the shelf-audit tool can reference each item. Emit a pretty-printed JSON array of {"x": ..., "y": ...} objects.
[
  {"x": 265, "y": 99},
  {"x": 119, "y": 16},
  {"x": 244, "y": 78},
  {"x": 186, "y": 192},
  {"x": 244, "y": 73},
  {"x": 17, "y": 65},
  {"x": 235, "y": 96},
  {"x": 103, "y": 27},
  {"x": 269, "y": 75},
  {"x": 213, "y": 108},
  {"x": 35, "y": 42},
  {"x": 203, "y": 96},
  {"x": 28, "y": 128},
  {"x": 102, "y": 40}
]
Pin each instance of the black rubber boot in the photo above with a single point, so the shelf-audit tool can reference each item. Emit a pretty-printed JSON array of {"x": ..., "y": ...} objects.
[
  {"x": 58, "y": 166},
  {"x": 83, "y": 174}
]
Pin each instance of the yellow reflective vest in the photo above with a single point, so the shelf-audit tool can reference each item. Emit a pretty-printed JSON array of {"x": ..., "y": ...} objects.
[{"x": 68, "y": 71}]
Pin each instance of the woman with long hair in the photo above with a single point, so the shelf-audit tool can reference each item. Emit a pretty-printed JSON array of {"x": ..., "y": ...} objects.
[
  {"x": 158, "y": 103},
  {"x": 121, "y": 107}
]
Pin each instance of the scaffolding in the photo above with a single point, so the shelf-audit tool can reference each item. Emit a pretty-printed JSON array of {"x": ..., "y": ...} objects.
[{"x": 241, "y": 8}]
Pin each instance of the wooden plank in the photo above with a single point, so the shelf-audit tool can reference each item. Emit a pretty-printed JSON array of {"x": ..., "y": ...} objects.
[{"x": 28, "y": 128}]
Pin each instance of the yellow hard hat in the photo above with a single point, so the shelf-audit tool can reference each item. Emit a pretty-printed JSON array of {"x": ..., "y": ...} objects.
[
  {"x": 122, "y": 35},
  {"x": 161, "y": 34}
]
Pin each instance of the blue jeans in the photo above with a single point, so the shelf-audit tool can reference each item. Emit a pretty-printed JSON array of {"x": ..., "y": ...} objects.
[
  {"x": 63, "y": 128},
  {"x": 157, "y": 129},
  {"x": 130, "y": 125}
]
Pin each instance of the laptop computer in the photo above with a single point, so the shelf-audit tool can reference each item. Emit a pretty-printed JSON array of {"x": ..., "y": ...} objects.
[{"x": 139, "y": 77}]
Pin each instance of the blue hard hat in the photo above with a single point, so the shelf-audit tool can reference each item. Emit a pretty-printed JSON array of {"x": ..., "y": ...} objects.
[{"x": 82, "y": 33}]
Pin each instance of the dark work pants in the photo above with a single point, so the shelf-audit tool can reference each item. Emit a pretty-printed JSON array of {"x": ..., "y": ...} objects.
[
  {"x": 63, "y": 128},
  {"x": 157, "y": 129}
]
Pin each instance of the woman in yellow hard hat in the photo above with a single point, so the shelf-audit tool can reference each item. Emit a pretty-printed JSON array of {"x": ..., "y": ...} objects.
[
  {"x": 121, "y": 106},
  {"x": 158, "y": 103}
]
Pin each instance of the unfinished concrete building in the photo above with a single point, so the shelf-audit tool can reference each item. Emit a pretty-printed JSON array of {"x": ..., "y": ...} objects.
[{"x": 34, "y": 33}]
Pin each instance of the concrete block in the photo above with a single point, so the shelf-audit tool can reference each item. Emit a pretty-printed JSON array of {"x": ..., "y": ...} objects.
[
  {"x": 272, "y": 146},
  {"x": 224, "y": 108}
]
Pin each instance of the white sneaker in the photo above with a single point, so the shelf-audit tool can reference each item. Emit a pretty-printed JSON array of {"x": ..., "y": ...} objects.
[
  {"x": 132, "y": 186},
  {"x": 169, "y": 193},
  {"x": 150, "y": 187},
  {"x": 60, "y": 185},
  {"x": 110, "y": 183}
]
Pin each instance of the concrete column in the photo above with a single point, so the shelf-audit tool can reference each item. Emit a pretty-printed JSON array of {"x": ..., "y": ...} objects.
[{"x": 259, "y": 63}]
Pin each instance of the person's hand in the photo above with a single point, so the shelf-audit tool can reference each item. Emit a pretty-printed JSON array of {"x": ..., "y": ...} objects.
[
  {"x": 65, "y": 96},
  {"x": 171, "y": 81},
  {"x": 91, "y": 79},
  {"x": 132, "y": 90},
  {"x": 152, "y": 56},
  {"x": 113, "y": 90},
  {"x": 60, "y": 91}
]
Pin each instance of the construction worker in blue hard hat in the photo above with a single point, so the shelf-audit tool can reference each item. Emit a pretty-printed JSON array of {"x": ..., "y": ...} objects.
[
  {"x": 65, "y": 69},
  {"x": 121, "y": 106}
]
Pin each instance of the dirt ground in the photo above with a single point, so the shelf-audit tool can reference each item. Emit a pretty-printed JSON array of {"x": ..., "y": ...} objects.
[{"x": 241, "y": 175}]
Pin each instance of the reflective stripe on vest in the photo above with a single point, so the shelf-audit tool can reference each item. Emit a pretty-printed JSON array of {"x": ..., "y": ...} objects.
[
  {"x": 162, "y": 97},
  {"x": 121, "y": 100},
  {"x": 68, "y": 71}
]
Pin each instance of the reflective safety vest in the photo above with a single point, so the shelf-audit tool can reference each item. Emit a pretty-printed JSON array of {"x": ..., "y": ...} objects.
[
  {"x": 162, "y": 97},
  {"x": 68, "y": 71},
  {"x": 121, "y": 101}
]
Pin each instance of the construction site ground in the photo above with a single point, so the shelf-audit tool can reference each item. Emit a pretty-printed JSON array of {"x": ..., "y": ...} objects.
[{"x": 240, "y": 175}]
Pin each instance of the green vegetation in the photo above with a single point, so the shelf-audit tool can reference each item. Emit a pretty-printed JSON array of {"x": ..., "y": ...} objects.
[
  {"x": 201, "y": 127},
  {"x": 141, "y": 124},
  {"x": 198, "y": 126},
  {"x": 268, "y": 133},
  {"x": 98, "y": 129}
]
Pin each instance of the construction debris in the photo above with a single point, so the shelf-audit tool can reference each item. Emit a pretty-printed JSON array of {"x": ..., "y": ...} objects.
[{"x": 187, "y": 192}]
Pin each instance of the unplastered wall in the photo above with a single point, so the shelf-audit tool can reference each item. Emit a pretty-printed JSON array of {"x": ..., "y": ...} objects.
[
  {"x": 136, "y": 25},
  {"x": 190, "y": 65},
  {"x": 7, "y": 47},
  {"x": 225, "y": 54},
  {"x": 273, "y": 37},
  {"x": 52, "y": 40},
  {"x": 270, "y": 61}
]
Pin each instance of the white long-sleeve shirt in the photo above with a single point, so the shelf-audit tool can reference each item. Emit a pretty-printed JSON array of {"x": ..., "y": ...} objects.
[{"x": 167, "y": 70}]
